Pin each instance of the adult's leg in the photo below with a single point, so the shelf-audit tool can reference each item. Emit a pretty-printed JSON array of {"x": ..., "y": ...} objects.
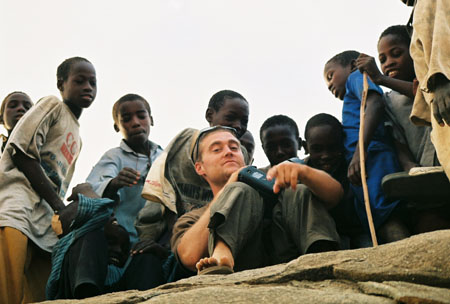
[
  {"x": 13, "y": 254},
  {"x": 237, "y": 222},
  {"x": 301, "y": 224}
]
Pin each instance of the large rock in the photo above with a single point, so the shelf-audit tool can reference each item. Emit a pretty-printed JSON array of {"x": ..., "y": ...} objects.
[{"x": 415, "y": 270}]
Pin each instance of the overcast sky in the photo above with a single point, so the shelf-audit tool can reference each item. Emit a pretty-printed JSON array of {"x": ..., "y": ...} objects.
[{"x": 178, "y": 53}]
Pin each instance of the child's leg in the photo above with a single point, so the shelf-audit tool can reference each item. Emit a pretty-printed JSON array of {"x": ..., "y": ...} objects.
[
  {"x": 13, "y": 255},
  {"x": 379, "y": 163},
  {"x": 37, "y": 271},
  {"x": 432, "y": 219},
  {"x": 394, "y": 229},
  {"x": 85, "y": 266},
  {"x": 145, "y": 271}
]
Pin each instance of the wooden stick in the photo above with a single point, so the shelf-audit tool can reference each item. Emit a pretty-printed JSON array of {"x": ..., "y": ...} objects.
[{"x": 363, "y": 160}]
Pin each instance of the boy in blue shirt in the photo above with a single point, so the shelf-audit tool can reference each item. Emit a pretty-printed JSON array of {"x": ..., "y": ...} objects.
[
  {"x": 119, "y": 175},
  {"x": 346, "y": 83}
]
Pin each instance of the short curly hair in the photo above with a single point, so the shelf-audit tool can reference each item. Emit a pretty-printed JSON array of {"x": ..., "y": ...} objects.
[
  {"x": 64, "y": 68},
  {"x": 345, "y": 58},
  {"x": 399, "y": 31},
  {"x": 218, "y": 99},
  {"x": 279, "y": 120}
]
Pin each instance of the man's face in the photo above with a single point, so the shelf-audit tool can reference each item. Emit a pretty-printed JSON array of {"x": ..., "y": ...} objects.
[{"x": 220, "y": 156}]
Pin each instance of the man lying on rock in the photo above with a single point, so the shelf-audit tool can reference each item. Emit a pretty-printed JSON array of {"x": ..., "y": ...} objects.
[{"x": 243, "y": 228}]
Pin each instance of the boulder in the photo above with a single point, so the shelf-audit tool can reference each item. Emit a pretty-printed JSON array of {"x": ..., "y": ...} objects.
[{"x": 414, "y": 270}]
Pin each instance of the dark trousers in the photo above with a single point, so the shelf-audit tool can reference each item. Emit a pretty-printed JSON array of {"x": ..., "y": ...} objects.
[{"x": 85, "y": 267}]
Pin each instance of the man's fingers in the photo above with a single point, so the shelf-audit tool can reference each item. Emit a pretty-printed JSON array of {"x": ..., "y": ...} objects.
[
  {"x": 294, "y": 178},
  {"x": 272, "y": 173}
]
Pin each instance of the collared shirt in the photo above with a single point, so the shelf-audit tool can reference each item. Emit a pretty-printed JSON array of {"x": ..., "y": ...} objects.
[{"x": 130, "y": 200}]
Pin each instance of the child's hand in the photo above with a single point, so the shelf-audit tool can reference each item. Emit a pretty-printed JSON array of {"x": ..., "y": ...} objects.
[
  {"x": 127, "y": 177},
  {"x": 66, "y": 217},
  {"x": 150, "y": 246},
  {"x": 354, "y": 169},
  {"x": 441, "y": 104},
  {"x": 287, "y": 174},
  {"x": 85, "y": 189},
  {"x": 366, "y": 63}
]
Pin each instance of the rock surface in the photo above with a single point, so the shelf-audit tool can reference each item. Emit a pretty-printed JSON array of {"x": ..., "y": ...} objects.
[{"x": 415, "y": 270}]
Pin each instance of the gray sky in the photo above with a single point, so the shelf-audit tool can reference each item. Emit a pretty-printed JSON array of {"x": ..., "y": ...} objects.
[{"x": 177, "y": 53}]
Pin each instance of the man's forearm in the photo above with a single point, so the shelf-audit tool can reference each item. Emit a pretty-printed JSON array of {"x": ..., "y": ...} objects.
[
  {"x": 323, "y": 186},
  {"x": 194, "y": 243},
  {"x": 38, "y": 180}
]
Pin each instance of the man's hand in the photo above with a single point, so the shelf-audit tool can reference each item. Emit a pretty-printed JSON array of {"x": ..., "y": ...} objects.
[
  {"x": 286, "y": 174},
  {"x": 366, "y": 63},
  {"x": 127, "y": 177},
  {"x": 150, "y": 246},
  {"x": 441, "y": 103},
  {"x": 234, "y": 177}
]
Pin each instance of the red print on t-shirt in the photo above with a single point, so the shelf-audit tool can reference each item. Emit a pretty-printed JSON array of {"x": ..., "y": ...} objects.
[{"x": 69, "y": 148}]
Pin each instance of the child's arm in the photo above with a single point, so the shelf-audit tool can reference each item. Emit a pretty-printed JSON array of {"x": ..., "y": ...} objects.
[
  {"x": 38, "y": 180},
  {"x": 405, "y": 156},
  {"x": 127, "y": 177},
  {"x": 366, "y": 63},
  {"x": 373, "y": 116}
]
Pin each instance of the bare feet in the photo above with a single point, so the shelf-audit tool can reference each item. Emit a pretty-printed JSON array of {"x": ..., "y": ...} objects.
[{"x": 221, "y": 256}]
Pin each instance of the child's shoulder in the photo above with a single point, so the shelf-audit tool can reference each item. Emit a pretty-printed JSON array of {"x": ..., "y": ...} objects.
[
  {"x": 355, "y": 83},
  {"x": 355, "y": 76},
  {"x": 45, "y": 105},
  {"x": 49, "y": 101}
]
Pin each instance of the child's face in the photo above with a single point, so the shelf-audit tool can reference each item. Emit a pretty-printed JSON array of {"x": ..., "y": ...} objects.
[
  {"x": 335, "y": 77},
  {"x": 80, "y": 87},
  {"x": 249, "y": 143},
  {"x": 395, "y": 59},
  {"x": 233, "y": 113},
  {"x": 279, "y": 144},
  {"x": 134, "y": 122},
  {"x": 118, "y": 242},
  {"x": 325, "y": 148},
  {"x": 16, "y": 106}
]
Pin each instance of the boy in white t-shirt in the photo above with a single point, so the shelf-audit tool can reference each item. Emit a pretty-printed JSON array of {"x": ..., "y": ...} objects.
[{"x": 35, "y": 172}]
